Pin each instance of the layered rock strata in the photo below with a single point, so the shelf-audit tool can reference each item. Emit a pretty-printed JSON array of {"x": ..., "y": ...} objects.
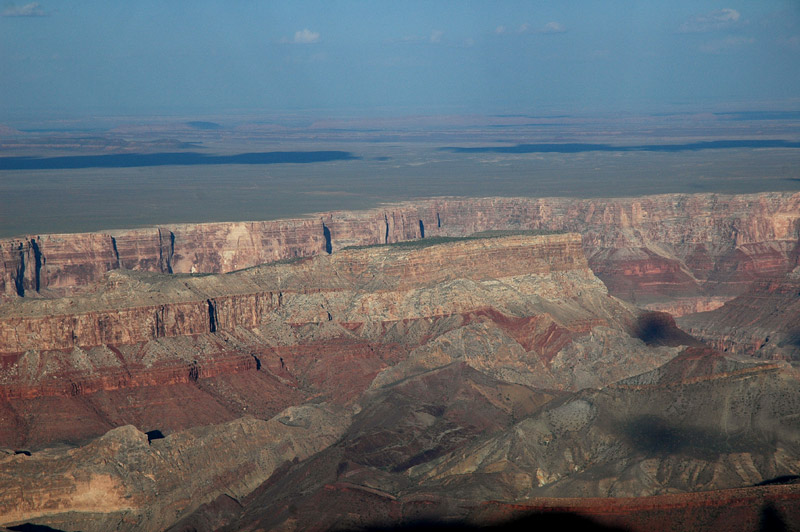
[
  {"x": 650, "y": 249},
  {"x": 395, "y": 380},
  {"x": 131, "y": 309},
  {"x": 521, "y": 308}
]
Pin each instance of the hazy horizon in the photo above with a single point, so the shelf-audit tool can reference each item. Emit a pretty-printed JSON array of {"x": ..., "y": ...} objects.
[
  {"x": 118, "y": 115},
  {"x": 65, "y": 60}
]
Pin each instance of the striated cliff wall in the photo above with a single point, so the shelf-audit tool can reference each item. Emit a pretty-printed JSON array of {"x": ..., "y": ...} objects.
[
  {"x": 127, "y": 311},
  {"x": 60, "y": 263},
  {"x": 646, "y": 249},
  {"x": 177, "y": 350}
]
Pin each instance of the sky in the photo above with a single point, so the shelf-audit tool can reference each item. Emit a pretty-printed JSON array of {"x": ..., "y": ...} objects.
[{"x": 205, "y": 58}]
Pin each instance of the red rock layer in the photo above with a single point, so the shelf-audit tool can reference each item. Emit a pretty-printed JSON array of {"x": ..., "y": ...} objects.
[
  {"x": 645, "y": 248},
  {"x": 73, "y": 382},
  {"x": 65, "y": 402}
]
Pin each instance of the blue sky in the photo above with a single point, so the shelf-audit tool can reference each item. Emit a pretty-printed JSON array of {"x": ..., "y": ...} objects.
[{"x": 327, "y": 57}]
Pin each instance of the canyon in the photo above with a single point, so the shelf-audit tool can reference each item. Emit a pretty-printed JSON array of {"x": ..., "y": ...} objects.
[{"x": 628, "y": 360}]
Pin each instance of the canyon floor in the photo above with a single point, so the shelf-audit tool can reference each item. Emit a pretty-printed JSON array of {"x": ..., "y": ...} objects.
[{"x": 623, "y": 363}]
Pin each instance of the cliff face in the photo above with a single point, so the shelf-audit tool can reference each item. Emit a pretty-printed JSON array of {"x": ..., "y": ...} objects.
[
  {"x": 648, "y": 249},
  {"x": 128, "y": 312},
  {"x": 763, "y": 322},
  {"x": 132, "y": 325},
  {"x": 61, "y": 263},
  {"x": 399, "y": 377},
  {"x": 278, "y": 333}
]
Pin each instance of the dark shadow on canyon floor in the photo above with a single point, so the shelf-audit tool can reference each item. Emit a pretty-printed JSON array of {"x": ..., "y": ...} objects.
[{"x": 655, "y": 436}]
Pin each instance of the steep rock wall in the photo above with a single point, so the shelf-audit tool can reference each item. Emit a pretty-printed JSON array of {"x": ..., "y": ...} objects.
[
  {"x": 645, "y": 249},
  {"x": 196, "y": 305},
  {"x": 174, "y": 351},
  {"x": 763, "y": 322}
]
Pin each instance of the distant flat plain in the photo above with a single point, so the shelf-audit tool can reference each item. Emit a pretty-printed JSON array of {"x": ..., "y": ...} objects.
[{"x": 376, "y": 165}]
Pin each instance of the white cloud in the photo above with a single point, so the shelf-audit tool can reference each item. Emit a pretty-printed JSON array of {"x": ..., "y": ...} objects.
[
  {"x": 500, "y": 30},
  {"x": 436, "y": 36},
  {"x": 713, "y": 21},
  {"x": 34, "y": 9},
  {"x": 524, "y": 28},
  {"x": 305, "y": 36},
  {"x": 553, "y": 27}
]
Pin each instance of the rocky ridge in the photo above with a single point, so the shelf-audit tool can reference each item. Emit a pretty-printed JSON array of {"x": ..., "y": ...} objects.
[
  {"x": 689, "y": 428},
  {"x": 127, "y": 480},
  {"x": 696, "y": 248}
]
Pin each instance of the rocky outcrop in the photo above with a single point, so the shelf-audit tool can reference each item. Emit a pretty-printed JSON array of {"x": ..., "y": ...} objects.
[
  {"x": 127, "y": 481},
  {"x": 763, "y": 322},
  {"x": 682, "y": 306},
  {"x": 703, "y": 441},
  {"x": 647, "y": 249},
  {"x": 432, "y": 445}
]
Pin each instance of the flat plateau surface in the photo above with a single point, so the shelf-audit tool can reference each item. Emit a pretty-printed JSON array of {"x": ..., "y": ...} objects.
[
  {"x": 91, "y": 199},
  {"x": 64, "y": 182}
]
